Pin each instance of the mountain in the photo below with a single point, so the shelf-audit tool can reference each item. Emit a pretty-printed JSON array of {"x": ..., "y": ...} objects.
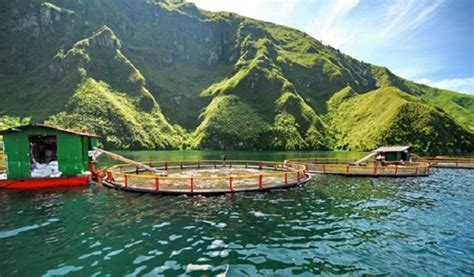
[{"x": 147, "y": 74}]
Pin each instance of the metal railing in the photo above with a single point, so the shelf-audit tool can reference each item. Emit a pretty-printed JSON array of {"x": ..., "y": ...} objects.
[
  {"x": 266, "y": 175},
  {"x": 343, "y": 167}
]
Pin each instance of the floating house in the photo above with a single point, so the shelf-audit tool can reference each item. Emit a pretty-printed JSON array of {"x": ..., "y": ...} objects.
[
  {"x": 393, "y": 154},
  {"x": 39, "y": 155},
  {"x": 389, "y": 155}
]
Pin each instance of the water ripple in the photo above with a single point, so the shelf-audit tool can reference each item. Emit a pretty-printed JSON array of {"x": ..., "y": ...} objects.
[{"x": 333, "y": 225}]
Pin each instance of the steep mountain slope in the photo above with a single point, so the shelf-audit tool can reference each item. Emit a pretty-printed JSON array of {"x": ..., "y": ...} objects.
[
  {"x": 232, "y": 82},
  {"x": 119, "y": 104}
]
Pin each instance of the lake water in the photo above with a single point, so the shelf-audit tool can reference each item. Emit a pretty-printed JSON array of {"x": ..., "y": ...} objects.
[{"x": 332, "y": 225}]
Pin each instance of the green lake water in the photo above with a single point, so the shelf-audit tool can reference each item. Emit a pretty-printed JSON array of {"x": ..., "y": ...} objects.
[{"x": 332, "y": 225}]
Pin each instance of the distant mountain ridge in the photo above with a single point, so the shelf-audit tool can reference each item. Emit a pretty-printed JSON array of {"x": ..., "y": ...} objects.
[{"x": 149, "y": 74}]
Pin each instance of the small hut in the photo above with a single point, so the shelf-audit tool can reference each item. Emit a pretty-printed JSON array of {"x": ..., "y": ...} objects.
[
  {"x": 394, "y": 154},
  {"x": 33, "y": 151},
  {"x": 388, "y": 155}
]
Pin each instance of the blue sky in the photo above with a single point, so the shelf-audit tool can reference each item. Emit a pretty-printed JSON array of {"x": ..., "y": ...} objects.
[{"x": 428, "y": 41}]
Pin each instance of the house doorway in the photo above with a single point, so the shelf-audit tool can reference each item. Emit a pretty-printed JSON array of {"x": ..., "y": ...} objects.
[{"x": 43, "y": 149}]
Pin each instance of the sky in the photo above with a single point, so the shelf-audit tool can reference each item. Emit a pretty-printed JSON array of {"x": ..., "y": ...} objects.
[{"x": 427, "y": 41}]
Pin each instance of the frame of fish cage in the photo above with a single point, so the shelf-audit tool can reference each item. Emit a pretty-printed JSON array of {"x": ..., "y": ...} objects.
[
  {"x": 206, "y": 177},
  {"x": 450, "y": 162},
  {"x": 347, "y": 167}
]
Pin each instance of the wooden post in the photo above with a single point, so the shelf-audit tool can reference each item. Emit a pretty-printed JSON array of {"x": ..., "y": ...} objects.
[
  {"x": 324, "y": 168},
  {"x": 347, "y": 169},
  {"x": 157, "y": 183},
  {"x": 260, "y": 166},
  {"x": 181, "y": 165},
  {"x": 416, "y": 170},
  {"x": 298, "y": 177},
  {"x": 396, "y": 169},
  {"x": 231, "y": 184},
  {"x": 214, "y": 164},
  {"x": 260, "y": 181},
  {"x": 286, "y": 178},
  {"x": 191, "y": 184},
  {"x": 126, "y": 180},
  {"x": 166, "y": 165},
  {"x": 375, "y": 169}
]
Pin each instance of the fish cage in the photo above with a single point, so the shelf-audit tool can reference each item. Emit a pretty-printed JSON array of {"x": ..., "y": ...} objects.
[
  {"x": 348, "y": 167},
  {"x": 205, "y": 177},
  {"x": 450, "y": 162}
]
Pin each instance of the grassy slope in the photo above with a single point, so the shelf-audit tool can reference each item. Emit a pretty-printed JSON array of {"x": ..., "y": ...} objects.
[
  {"x": 460, "y": 106},
  {"x": 97, "y": 108},
  {"x": 119, "y": 107},
  {"x": 229, "y": 123},
  {"x": 388, "y": 116},
  {"x": 190, "y": 61}
]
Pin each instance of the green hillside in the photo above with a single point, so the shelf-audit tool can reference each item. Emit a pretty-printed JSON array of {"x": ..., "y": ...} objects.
[
  {"x": 389, "y": 116},
  {"x": 165, "y": 75}
]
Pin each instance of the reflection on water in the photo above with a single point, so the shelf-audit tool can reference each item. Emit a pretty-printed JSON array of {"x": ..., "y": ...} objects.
[
  {"x": 147, "y": 156},
  {"x": 333, "y": 225}
]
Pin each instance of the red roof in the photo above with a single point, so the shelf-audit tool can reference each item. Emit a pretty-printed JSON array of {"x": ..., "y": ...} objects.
[{"x": 30, "y": 126}]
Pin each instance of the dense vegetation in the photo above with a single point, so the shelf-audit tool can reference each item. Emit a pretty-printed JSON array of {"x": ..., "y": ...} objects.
[
  {"x": 7, "y": 122},
  {"x": 147, "y": 74}
]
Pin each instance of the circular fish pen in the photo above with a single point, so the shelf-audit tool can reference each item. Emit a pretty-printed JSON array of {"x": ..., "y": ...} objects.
[
  {"x": 347, "y": 167},
  {"x": 205, "y": 177}
]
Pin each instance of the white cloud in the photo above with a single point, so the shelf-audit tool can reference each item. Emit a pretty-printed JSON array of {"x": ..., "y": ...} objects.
[
  {"x": 424, "y": 81},
  {"x": 327, "y": 22},
  {"x": 418, "y": 68},
  {"x": 465, "y": 85},
  {"x": 405, "y": 15}
]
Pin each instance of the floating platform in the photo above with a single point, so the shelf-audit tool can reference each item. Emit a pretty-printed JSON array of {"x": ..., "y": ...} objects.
[
  {"x": 39, "y": 156},
  {"x": 347, "y": 167},
  {"x": 450, "y": 162},
  {"x": 206, "y": 177},
  {"x": 43, "y": 183}
]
